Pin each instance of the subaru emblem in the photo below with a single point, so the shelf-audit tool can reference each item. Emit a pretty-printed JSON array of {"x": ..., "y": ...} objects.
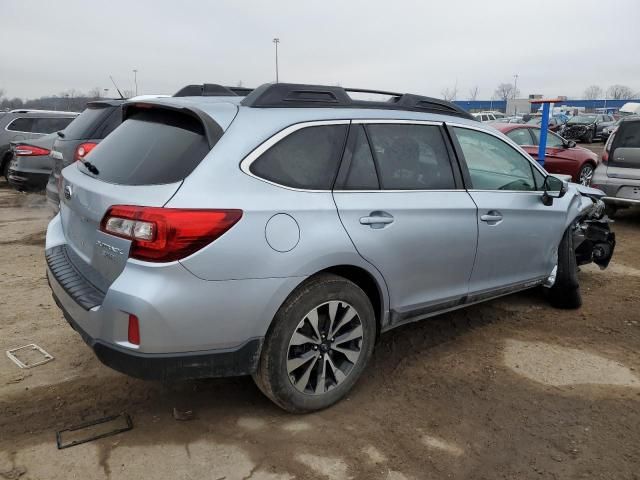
[{"x": 68, "y": 191}]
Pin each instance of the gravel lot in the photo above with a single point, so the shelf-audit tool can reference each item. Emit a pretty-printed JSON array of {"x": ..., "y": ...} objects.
[{"x": 510, "y": 389}]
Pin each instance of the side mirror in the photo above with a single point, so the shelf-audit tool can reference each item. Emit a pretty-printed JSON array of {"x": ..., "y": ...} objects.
[
  {"x": 553, "y": 188},
  {"x": 570, "y": 144}
]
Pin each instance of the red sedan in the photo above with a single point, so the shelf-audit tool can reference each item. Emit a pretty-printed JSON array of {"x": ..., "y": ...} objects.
[{"x": 562, "y": 156}]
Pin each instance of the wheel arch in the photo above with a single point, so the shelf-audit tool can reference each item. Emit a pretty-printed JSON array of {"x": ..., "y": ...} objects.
[{"x": 371, "y": 282}]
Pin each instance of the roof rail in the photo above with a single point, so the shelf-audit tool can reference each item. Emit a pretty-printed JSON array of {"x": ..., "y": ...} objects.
[
  {"x": 290, "y": 95},
  {"x": 36, "y": 110},
  {"x": 212, "y": 90}
]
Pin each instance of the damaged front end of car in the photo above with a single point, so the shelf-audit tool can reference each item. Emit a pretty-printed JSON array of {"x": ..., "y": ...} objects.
[
  {"x": 593, "y": 240},
  {"x": 577, "y": 132}
]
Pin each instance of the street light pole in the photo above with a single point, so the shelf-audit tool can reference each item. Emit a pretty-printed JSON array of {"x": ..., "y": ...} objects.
[
  {"x": 135, "y": 79},
  {"x": 276, "y": 41},
  {"x": 515, "y": 92}
]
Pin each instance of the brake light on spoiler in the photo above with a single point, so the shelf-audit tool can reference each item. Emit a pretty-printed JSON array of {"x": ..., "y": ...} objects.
[{"x": 167, "y": 234}]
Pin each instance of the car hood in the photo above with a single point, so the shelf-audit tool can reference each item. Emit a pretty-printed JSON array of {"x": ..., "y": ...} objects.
[{"x": 589, "y": 191}]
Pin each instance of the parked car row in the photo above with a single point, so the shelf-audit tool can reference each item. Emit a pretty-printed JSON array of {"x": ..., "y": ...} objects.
[
  {"x": 618, "y": 175},
  {"x": 277, "y": 233},
  {"x": 561, "y": 156},
  {"x": 23, "y": 125}
]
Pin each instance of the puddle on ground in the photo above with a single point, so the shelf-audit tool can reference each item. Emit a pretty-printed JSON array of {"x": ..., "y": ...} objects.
[
  {"x": 561, "y": 366},
  {"x": 114, "y": 459}
]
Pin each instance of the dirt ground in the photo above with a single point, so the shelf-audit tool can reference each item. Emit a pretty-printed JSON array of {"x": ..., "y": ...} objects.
[{"x": 510, "y": 389}]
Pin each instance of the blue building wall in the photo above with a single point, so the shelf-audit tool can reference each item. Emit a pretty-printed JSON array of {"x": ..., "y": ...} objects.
[{"x": 477, "y": 105}]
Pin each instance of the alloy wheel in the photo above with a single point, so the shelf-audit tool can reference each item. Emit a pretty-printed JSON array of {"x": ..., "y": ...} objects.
[
  {"x": 324, "y": 347},
  {"x": 586, "y": 174}
]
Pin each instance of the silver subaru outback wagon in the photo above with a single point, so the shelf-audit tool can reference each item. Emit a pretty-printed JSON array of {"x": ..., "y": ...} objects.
[{"x": 280, "y": 233}]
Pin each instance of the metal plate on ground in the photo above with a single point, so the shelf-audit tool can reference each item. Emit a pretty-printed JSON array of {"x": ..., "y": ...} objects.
[
  {"x": 29, "y": 356},
  {"x": 93, "y": 430}
]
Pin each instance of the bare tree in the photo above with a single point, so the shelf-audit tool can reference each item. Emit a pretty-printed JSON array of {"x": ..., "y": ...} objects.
[
  {"x": 1, "y": 92},
  {"x": 95, "y": 92},
  {"x": 473, "y": 93},
  {"x": 619, "y": 92},
  {"x": 449, "y": 94},
  {"x": 505, "y": 91},
  {"x": 593, "y": 92}
]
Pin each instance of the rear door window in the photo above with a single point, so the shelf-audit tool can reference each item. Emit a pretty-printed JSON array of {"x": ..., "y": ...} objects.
[
  {"x": 24, "y": 124},
  {"x": 553, "y": 140},
  {"x": 521, "y": 136},
  {"x": 307, "y": 158},
  {"x": 151, "y": 147},
  {"x": 411, "y": 157}
]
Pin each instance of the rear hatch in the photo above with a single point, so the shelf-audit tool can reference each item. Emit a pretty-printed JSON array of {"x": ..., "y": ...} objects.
[
  {"x": 91, "y": 126},
  {"x": 624, "y": 156},
  {"x": 143, "y": 162}
]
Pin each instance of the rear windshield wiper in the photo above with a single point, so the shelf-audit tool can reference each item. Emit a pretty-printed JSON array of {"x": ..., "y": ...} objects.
[{"x": 91, "y": 167}]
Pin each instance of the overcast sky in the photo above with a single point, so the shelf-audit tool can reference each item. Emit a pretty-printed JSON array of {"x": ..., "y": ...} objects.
[{"x": 556, "y": 47}]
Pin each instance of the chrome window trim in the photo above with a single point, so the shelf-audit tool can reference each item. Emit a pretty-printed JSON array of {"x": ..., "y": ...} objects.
[
  {"x": 245, "y": 164},
  {"x": 6, "y": 127},
  {"x": 362, "y": 121},
  {"x": 400, "y": 191},
  {"x": 508, "y": 141}
]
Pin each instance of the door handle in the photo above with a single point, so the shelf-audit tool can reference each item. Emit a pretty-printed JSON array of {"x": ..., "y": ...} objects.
[
  {"x": 377, "y": 219},
  {"x": 491, "y": 217}
]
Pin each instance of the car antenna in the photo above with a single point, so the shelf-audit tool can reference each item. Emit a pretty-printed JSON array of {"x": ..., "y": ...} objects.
[{"x": 114, "y": 84}]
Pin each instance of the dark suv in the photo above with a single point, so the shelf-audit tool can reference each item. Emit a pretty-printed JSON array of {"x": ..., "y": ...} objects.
[
  {"x": 96, "y": 122},
  {"x": 24, "y": 124}
]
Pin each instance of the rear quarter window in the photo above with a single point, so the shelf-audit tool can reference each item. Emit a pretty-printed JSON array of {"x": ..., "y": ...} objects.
[
  {"x": 151, "y": 147},
  {"x": 307, "y": 158},
  {"x": 24, "y": 124},
  {"x": 51, "y": 124}
]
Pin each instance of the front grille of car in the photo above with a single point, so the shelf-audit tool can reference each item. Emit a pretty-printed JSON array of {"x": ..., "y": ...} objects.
[
  {"x": 71, "y": 280},
  {"x": 575, "y": 131}
]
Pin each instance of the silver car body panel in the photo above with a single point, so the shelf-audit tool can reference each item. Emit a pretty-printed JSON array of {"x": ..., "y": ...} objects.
[{"x": 435, "y": 255}]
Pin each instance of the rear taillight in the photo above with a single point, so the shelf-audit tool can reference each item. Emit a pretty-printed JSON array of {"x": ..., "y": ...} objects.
[
  {"x": 83, "y": 150},
  {"x": 30, "y": 151},
  {"x": 167, "y": 234}
]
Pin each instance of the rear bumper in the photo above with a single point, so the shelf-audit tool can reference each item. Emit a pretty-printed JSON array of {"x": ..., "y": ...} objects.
[
  {"x": 53, "y": 199},
  {"x": 621, "y": 201},
  {"x": 27, "y": 180},
  {"x": 238, "y": 361},
  {"x": 189, "y": 327}
]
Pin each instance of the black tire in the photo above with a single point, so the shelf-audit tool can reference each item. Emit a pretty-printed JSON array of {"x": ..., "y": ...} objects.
[
  {"x": 565, "y": 292},
  {"x": 5, "y": 169},
  {"x": 272, "y": 376},
  {"x": 589, "y": 137}
]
